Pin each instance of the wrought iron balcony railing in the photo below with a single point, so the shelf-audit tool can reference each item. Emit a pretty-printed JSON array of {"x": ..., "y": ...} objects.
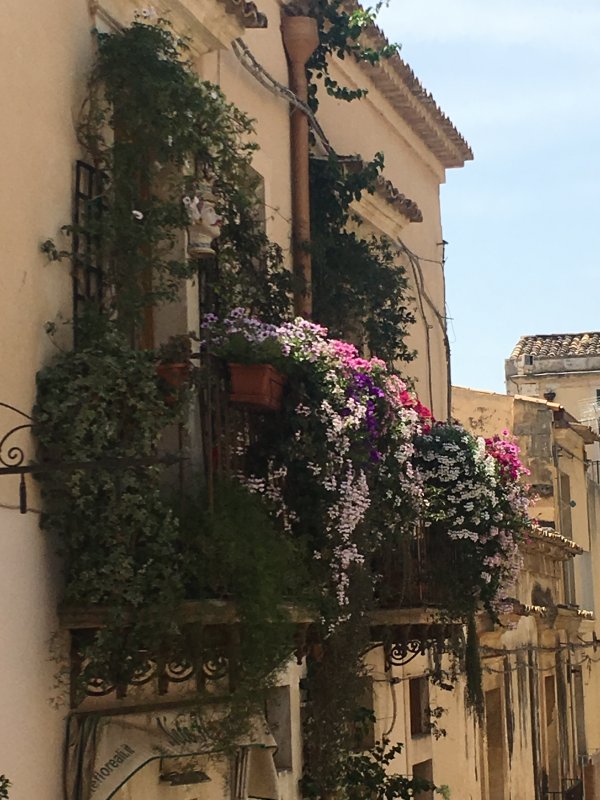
[{"x": 572, "y": 789}]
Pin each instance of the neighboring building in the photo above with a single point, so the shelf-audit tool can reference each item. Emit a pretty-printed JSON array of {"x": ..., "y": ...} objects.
[
  {"x": 541, "y": 682},
  {"x": 565, "y": 367},
  {"x": 45, "y": 62}
]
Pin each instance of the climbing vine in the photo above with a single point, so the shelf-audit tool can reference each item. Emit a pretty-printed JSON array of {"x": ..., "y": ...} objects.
[
  {"x": 360, "y": 291},
  {"x": 341, "y": 33},
  {"x": 155, "y": 133}
]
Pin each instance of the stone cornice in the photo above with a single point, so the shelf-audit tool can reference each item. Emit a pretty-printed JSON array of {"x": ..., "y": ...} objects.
[
  {"x": 401, "y": 203},
  {"x": 386, "y": 190},
  {"x": 417, "y": 107},
  {"x": 548, "y": 541}
]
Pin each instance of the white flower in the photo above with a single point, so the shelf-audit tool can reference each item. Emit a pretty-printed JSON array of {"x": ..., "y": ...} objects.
[{"x": 137, "y": 214}]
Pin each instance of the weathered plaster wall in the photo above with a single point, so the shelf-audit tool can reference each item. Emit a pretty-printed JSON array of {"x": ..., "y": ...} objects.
[
  {"x": 574, "y": 381},
  {"x": 549, "y": 447},
  {"x": 454, "y": 756}
]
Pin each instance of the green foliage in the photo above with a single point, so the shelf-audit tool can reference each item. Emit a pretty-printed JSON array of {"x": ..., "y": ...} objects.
[
  {"x": 360, "y": 292},
  {"x": 98, "y": 416},
  {"x": 249, "y": 270},
  {"x": 236, "y": 349},
  {"x": 5, "y": 785},
  {"x": 154, "y": 130},
  {"x": 341, "y": 34},
  {"x": 368, "y": 775},
  {"x": 176, "y": 350},
  {"x": 336, "y": 685},
  {"x": 232, "y": 550},
  {"x": 473, "y": 670}
]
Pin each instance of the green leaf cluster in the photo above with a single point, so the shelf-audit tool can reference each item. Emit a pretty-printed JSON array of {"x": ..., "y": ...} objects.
[
  {"x": 98, "y": 417},
  {"x": 360, "y": 290},
  {"x": 368, "y": 774},
  {"x": 233, "y": 551},
  {"x": 154, "y": 130},
  {"x": 341, "y": 30}
]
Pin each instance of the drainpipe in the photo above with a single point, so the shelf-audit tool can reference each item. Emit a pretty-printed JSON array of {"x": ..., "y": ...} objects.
[{"x": 300, "y": 39}]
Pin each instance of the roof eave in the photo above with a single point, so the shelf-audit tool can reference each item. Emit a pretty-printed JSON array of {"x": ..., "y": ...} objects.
[{"x": 409, "y": 98}]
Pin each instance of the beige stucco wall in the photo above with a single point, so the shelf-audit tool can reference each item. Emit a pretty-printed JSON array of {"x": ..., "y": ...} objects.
[
  {"x": 44, "y": 58},
  {"x": 455, "y": 755}
]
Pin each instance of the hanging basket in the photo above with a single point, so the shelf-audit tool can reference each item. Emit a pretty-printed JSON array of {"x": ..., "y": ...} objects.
[{"x": 258, "y": 386}]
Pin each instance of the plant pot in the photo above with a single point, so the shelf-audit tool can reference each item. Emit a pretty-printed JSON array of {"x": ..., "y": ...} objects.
[
  {"x": 176, "y": 376},
  {"x": 258, "y": 386}
]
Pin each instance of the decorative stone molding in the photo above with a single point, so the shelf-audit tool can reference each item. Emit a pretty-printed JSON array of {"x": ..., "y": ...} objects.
[{"x": 212, "y": 24}]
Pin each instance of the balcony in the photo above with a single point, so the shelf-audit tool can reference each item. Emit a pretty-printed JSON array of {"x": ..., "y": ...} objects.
[{"x": 572, "y": 789}]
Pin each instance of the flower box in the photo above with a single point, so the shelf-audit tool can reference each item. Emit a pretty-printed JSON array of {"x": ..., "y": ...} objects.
[{"x": 258, "y": 386}]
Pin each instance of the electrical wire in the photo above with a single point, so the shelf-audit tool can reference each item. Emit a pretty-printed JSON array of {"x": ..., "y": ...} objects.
[
  {"x": 415, "y": 263},
  {"x": 246, "y": 58}
]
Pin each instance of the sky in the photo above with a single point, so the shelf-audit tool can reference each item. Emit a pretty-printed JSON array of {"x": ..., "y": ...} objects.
[{"x": 520, "y": 79}]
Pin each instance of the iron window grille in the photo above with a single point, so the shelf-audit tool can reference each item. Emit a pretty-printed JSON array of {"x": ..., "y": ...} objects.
[{"x": 88, "y": 206}]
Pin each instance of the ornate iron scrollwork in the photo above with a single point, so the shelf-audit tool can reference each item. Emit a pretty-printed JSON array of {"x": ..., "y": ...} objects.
[
  {"x": 98, "y": 687},
  {"x": 215, "y": 668},
  {"x": 12, "y": 455},
  {"x": 403, "y": 643},
  {"x": 145, "y": 673},
  {"x": 179, "y": 671},
  {"x": 400, "y": 653}
]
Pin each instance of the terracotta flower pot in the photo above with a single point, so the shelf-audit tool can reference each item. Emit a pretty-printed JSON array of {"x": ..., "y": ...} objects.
[
  {"x": 258, "y": 386},
  {"x": 175, "y": 376}
]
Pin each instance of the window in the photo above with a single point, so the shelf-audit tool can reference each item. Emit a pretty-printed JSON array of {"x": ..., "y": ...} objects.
[
  {"x": 564, "y": 488},
  {"x": 88, "y": 282},
  {"x": 419, "y": 706},
  {"x": 278, "y": 715},
  {"x": 424, "y": 771}
]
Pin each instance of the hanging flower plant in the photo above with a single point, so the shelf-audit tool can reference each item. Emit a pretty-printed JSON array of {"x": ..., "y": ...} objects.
[
  {"x": 476, "y": 514},
  {"x": 337, "y": 466}
]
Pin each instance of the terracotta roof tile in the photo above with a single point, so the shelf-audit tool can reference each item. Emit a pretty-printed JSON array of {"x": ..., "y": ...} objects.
[
  {"x": 401, "y": 202},
  {"x": 558, "y": 345},
  {"x": 415, "y": 104},
  {"x": 386, "y": 189}
]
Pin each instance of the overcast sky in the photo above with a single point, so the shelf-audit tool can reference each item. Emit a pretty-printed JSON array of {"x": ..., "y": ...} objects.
[{"x": 521, "y": 81}]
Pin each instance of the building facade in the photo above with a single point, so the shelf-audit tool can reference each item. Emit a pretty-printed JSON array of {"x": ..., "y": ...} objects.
[
  {"x": 564, "y": 367},
  {"x": 237, "y": 46},
  {"x": 541, "y": 729}
]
